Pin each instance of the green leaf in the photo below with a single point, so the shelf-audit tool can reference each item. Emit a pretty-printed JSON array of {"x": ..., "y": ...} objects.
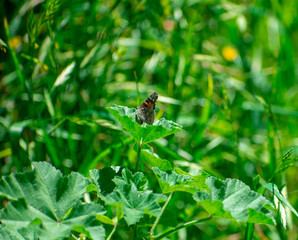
[
  {"x": 132, "y": 194},
  {"x": 104, "y": 219},
  {"x": 64, "y": 75},
  {"x": 232, "y": 199},
  {"x": 153, "y": 160},
  {"x": 179, "y": 180},
  {"x": 49, "y": 103},
  {"x": 102, "y": 179},
  {"x": 2, "y": 43},
  {"x": 44, "y": 196},
  {"x": 143, "y": 133},
  {"x": 273, "y": 188}
]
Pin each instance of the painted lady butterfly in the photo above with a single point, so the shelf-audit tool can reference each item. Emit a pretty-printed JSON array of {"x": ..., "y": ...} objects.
[{"x": 146, "y": 112}]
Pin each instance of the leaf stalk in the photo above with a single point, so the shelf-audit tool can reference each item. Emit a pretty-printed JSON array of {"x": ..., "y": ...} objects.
[
  {"x": 162, "y": 210},
  {"x": 188, "y": 224},
  {"x": 114, "y": 229}
]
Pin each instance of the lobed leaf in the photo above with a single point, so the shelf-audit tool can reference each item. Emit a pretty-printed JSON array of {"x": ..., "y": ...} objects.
[
  {"x": 143, "y": 133},
  {"x": 43, "y": 198},
  {"x": 232, "y": 199},
  {"x": 132, "y": 196}
]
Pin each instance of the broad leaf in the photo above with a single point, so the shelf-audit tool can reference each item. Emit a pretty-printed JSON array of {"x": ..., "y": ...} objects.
[
  {"x": 132, "y": 194},
  {"x": 179, "y": 180},
  {"x": 232, "y": 199},
  {"x": 273, "y": 188},
  {"x": 45, "y": 197},
  {"x": 143, "y": 133},
  {"x": 153, "y": 160}
]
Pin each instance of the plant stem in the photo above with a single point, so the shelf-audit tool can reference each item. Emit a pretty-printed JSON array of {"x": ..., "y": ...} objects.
[
  {"x": 188, "y": 224},
  {"x": 73, "y": 236},
  {"x": 249, "y": 231},
  {"x": 114, "y": 229},
  {"x": 158, "y": 218},
  {"x": 138, "y": 155}
]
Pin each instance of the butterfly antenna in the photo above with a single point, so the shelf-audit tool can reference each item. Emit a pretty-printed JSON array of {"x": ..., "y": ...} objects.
[{"x": 131, "y": 99}]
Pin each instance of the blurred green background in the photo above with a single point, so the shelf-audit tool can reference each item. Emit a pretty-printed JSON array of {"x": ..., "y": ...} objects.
[{"x": 224, "y": 70}]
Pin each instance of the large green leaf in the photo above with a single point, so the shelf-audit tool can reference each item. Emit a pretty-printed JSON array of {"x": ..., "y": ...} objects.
[
  {"x": 179, "y": 180},
  {"x": 232, "y": 199},
  {"x": 132, "y": 194},
  {"x": 45, "y": 196},
  {"x": 143, "y": 133}
]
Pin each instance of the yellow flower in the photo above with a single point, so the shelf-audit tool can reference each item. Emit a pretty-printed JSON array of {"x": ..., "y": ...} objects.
[
  {"x": 229, "y": 53},
  {"x": 45, "y": 67},
  {"x": 15, "y": 41}
]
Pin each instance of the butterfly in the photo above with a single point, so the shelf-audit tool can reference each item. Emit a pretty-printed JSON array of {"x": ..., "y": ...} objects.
[{"x": 146, "y": 112}]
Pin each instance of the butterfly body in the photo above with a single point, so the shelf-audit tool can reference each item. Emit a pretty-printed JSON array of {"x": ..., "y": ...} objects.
[{"x": 146, "y": 112}]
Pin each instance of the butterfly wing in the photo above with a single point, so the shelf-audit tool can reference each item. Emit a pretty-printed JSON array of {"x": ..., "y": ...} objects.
[
  {"x": 146, "y": 112},
  {"x": 146, "y": 115}
]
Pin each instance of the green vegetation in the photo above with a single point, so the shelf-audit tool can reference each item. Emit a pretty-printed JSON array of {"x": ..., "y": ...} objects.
[{"x": 220, "y": 160}]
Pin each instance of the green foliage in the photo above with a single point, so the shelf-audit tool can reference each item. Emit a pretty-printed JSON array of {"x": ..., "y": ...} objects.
[
  {"x": 179, "y": 180},
  {"x": 224, "y": 70},
  {"x": 273, "y": 188},
  {"x": 7, "y": 234},
  {"x": 133, "y": 197},
  {"x": 45, "y": 202},
  {"x": 101, "y": 181},
  {"x": 42, "y": 200},
  {"x": 232, "y": 199}
]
